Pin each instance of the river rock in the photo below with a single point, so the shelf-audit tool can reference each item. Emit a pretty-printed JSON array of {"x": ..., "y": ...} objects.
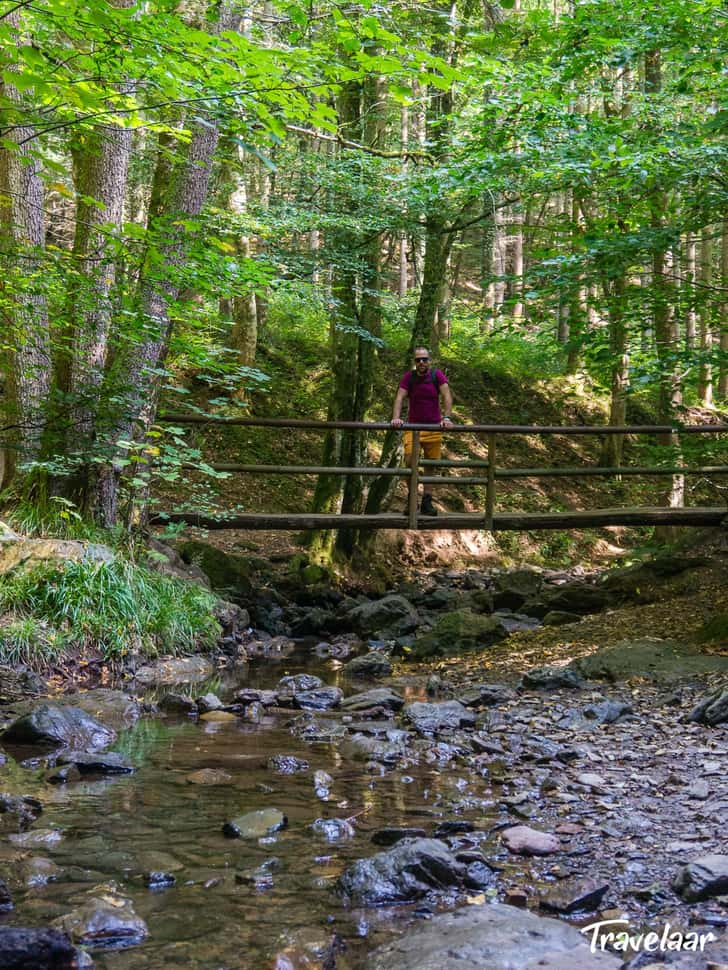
[
  {"x": 18, "y": 812},
  {"x": 175, "y": 670},
  {"x": 522, "y": 840},
  {"x": 114, "y": 708},
  {"x": 108, "y": 920},
  {"x": 648, "y": 657},
  {"x": 26, "y": 948},
  {"x": 387, "y": 751},
  {"x": 59, "y": 726},
  {"x": 580, "y": 598},
  {"x": 287, "y": 764},
  {"x": 377, "y": 697},
  {"x": 97, "y": 764},
  {"x": 494, "y": 936},
  {"x": 438, "y": 716},
  {"x": 255, "y": 825},
  {"x": 334, "y": 829},
  {"x": 209, "y": 702},
  {"x": 458, "y": 632},
  {"x": 560, "y": 618},
  {"x": 406, "y": 872},
  {"x": 373, "y": 664},
  {"x": 218, "y": 717},
  {"x": 574, "y": 895},
  {"x": 233, "y": 619},
  {"x": 38, "y": 871},
  {"x": 320, "y": 699},
  {"x": 324, "y": 731},
  {"x": 551, "y": 678},
  {"x": 486, "y": 695},
  {"x": 712, "y": 709},
  {"x": 6, "y": 900},
  {"x": 22, "y": 554},
  {"x": 226, "y": 571},
  {"x": 297, "y": 683},
  {"x": 177, "y": 704},
  {"x": 36, "y": 837},
  {"x": 606, "y": 712},
  {"x": 248, "y": 695},
  {"x": 390, "y": 836},
  {"x": 703, "y": 878},
  {"x": 156, "y": 879},
  {"x": 209, "y": 776},
  {"x": 392, "y": 616},
  {"x": 516, "y": 587}
]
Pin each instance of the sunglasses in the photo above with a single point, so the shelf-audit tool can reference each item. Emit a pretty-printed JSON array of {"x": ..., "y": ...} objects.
[{"x": 421, "y": 360}]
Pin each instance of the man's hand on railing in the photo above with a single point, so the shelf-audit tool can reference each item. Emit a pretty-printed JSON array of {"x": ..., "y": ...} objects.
[
  {"x": 446, "y": 422},
  {"x": 396, "y": 422}
]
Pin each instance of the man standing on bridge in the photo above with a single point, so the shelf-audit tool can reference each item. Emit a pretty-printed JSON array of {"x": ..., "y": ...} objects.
[{"x": 424, "y": 387}]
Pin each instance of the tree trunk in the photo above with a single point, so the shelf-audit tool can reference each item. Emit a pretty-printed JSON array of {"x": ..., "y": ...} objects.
[
  {"x": 619, "y": 346},
  {"x": 28, "y": 365},
  {"x": 705, "y": 374},
  {"x": 723, "y": 313}
]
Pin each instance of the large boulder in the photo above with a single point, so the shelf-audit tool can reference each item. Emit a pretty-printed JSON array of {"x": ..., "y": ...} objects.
[
  {"x": 702, "y": 878},
  {"x": 516, "y": 587},
  {"x": 408, "y": 871},
  {"x": 496, "y": 937},
  {"x": 59, "y": 726},
  {"x": 369, "y": 665},
  {"x": 648, "y": 657},
  {"x": 224, "y": 570},
  {"x": 391, "y": 616},
  {"x": 167, "y": 561},
  {"x": 711, "y": 710},
  {"x": 24, "y": 554},
  {"x": 576, "y": 598},
  {"x": 458, "y": 632},
  {"x": 30, "y": 948},
  {"x": 441, "y": 716}
]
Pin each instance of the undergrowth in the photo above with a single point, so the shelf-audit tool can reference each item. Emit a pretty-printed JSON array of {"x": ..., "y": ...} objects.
[{"x": 113, "y": 609}]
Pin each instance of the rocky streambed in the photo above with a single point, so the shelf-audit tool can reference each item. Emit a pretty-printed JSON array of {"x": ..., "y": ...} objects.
[{"x": 316, "y": 799}]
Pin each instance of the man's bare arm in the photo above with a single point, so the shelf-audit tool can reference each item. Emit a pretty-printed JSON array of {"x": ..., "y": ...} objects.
[
  {"x": 397, "y": 421},
  {"x": 446, "y": 395}
]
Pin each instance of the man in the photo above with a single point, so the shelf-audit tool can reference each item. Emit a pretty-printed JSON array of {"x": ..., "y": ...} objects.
[{"x": 424, "y": 387}]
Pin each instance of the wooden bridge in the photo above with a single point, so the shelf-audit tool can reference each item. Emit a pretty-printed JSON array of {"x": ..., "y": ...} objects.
[{"x": 484, "y": 472}]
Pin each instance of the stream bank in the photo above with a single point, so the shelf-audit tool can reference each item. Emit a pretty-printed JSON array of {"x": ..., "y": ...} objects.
[{"x": 252, "y": 820}]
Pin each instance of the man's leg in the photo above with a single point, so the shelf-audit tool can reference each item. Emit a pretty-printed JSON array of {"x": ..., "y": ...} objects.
[{"x": 432, "y": 448}]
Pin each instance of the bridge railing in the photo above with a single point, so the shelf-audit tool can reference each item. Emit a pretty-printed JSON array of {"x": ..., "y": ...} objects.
[{"x": 487, "y": 473}]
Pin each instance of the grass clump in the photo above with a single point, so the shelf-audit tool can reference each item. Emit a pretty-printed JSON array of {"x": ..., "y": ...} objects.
[{"x": 114, "y": 609}]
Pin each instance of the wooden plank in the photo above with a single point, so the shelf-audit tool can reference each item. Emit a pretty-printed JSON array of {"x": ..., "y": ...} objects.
[
  {"x": 502, "y": 521},
  {"x": 413, "y": 488},
  {"x": 301, "y": 469},
  {"x": 490, "y": 486},
  {"x": 578, "y": 429}
]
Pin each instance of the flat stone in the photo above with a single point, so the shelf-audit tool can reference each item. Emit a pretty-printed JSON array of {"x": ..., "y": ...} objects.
[
  {"x": 439, "y": 716},
  {"x": 490, "y": 937},
  {"x": 373, "y": 664},
  {"x": 377, "y": 697},
  {"x": 34, "y": 837},
  {"x": 255, "y": 825},
  {"x": 522, "y": 840},
  {"x": 176, "y": 670},
  {"x": 209, "y": 776},
  {"x": 53, "y": 724},
  {"x": 551, "y": 678},
  {"x": 390, "y": 836},
  {"x": 703, "y": 878},
  {"x": 218, "y": 717},
  {"x": 110, "y": 763},
  {"x": 319, "y": 699},
  {"x": 591, "y": 779},
  {"x": 574, "y": 895},
  {"x": 486, "y": 695}
]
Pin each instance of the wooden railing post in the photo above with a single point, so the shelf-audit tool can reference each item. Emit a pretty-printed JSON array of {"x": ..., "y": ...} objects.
[
  {"x": 490, "y": 485},
  {"x": 414, "y": 480}
]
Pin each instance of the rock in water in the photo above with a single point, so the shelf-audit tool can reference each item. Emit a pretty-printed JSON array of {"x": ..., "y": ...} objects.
[
  {"x": 392, "y": 615},
  {"x": 287, "y": 764},
  {"x": 373, "y": 664},
  {"x": 490, "y": 937},
  {"x": 97, "y": 764},
  {"x": 24, "y": 948},
  {"x": 108, "y": 921},
  {"x": 6, "y": 900},
  {"x": 703, "y": 878},
  {"x": 575, "y": 895},
  {"x": 320, "y": 699},
  {"x": 18, "y": 812},
  {"x": 55, "y": 725},
  {"x": 523, "y": 840},
  {"x": 406, "y": 872},
  {"x": 377, "y": 697},
  {"x": 334, "y": 829},
  {"x": 255, "y": 825}
]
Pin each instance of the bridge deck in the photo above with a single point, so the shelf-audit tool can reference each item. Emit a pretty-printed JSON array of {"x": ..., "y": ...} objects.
[{"x": 502, "y": 521}]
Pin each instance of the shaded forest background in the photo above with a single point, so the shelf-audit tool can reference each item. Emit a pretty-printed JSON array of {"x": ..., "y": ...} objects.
[{"x": 185, "y": 186}]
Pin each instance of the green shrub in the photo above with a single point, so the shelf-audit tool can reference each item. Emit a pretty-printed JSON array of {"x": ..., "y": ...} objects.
[{"x": 113, "y": 608}]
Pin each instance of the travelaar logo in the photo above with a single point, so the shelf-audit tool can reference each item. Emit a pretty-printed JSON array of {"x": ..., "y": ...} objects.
[{"x": 622, "y": 941}]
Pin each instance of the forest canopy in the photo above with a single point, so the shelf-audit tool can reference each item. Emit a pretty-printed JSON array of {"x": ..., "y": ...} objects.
[{"x": 175, "y": 176}]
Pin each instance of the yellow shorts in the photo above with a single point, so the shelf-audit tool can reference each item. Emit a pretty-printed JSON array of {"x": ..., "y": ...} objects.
[{"x": 430, "y": 444}]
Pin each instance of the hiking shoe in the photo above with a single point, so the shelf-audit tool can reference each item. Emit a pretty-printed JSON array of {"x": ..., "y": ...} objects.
[{"x": 427, "y": 508}]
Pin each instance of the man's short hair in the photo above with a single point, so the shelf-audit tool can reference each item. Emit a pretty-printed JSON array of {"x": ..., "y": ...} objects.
[{"x": 422, "y": 348}]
